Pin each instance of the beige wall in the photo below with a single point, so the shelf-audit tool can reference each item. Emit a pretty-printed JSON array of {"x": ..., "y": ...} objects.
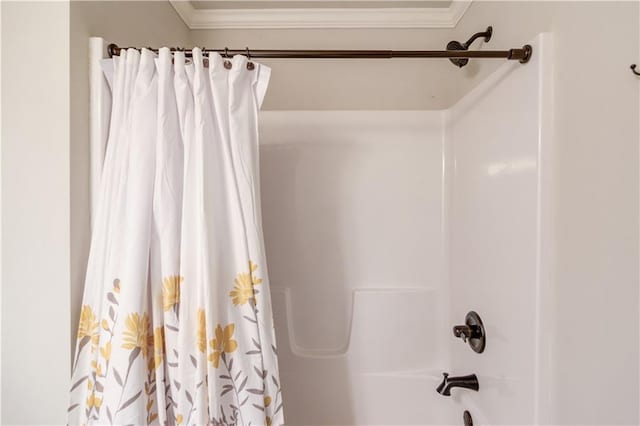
[
  {"x": 596, "y": 118},
  {"x": 347, "y": 84},
  {"x": 45, "y": 185},
  {"x": 35, "y": 214},
  {"x": 127, "y": 23}
]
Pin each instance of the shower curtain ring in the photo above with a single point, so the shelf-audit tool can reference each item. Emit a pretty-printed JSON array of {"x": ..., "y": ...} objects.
[
  {"x": 633, "y": 69},
  {"x": 227, "y": 62},
  {"x": 250, "y": 65}
]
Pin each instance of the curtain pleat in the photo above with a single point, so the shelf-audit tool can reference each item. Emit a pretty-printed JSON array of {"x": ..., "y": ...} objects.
[{"x": 176, "y": 324}]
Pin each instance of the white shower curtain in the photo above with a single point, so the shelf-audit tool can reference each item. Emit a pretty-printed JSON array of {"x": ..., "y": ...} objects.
[{"x": 176, "y": 324}]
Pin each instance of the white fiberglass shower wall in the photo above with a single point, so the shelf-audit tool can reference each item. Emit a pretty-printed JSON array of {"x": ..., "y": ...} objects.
[
  {"x": 383, "y": 229},
  {"x": 353, "y": 220},
  {"x": 499, "y": 156}
]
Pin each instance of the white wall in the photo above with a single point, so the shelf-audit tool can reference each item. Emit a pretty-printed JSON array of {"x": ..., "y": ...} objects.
[
  {"x": 35, "y": 215},
  {"x": 499, "y": 191},
  {"x": 595, "y": 135},
  {"x": 352, "y": 210}
]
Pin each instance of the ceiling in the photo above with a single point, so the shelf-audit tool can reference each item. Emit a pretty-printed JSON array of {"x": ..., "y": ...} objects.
[{"x": 244, "y": 14}]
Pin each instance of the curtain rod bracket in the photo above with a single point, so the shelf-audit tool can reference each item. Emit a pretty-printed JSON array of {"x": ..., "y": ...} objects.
[{"x": 456, "y": 45}]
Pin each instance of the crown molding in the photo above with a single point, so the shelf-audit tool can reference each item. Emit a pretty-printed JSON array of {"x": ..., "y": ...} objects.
[{"x": 408, "y": 17}]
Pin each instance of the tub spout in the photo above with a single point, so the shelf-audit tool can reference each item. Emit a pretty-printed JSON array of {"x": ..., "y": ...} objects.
[{"x": 467, "y": 382}]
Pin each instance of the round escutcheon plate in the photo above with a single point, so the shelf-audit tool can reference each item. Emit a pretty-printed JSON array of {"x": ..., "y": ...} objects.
[{"x": 478, "y": 339}]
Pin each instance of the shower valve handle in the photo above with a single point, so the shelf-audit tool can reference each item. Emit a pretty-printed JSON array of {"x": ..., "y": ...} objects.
[
  {"x": 463, "y": 332},
  {"x": 472, "y": 332}
]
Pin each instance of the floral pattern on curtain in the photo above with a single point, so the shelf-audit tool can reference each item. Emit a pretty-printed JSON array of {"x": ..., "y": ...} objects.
[{"x": 176, "y": 325}]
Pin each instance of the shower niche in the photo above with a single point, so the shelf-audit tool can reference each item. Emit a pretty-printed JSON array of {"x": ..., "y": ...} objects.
[{"x": 384, "y": 228}]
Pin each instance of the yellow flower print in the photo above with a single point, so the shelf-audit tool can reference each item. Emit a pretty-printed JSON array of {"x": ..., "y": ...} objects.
[
  {"x": 171, "y": 291},
  {"x": 267, "y": 401},
  {"x": 93, "y": 401},
  {"x": 137, "y": 333},
  {"x": 223, "y": 343},
  {"x": 243, "y": 289},
  {"x": 268, "y": 421},
  {"x": 179, "y": 419},
  {"x": 105, "y": 351},
  {"x": 253, "y": 267},
  {"x": 88, "y": 326},
  {"x": 97, "y": 368},
  {"x": 158, "y": 346},
  {"x": 202, "y": 331}
]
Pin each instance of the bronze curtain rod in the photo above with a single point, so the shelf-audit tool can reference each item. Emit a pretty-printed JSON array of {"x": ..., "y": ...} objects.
[
  {"x": 458, "y": 53},
  {"x": 522, "y": 54}
]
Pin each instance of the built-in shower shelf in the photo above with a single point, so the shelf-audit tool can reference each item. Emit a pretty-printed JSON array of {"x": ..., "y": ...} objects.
[{"x": 384, "y": 324}]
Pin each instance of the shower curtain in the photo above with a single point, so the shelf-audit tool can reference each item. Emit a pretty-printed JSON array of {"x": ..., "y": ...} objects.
[{"x": 176, "y": 324}]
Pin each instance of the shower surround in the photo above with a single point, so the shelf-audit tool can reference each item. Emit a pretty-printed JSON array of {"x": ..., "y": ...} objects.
[{"x": 384, "y": 228}]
